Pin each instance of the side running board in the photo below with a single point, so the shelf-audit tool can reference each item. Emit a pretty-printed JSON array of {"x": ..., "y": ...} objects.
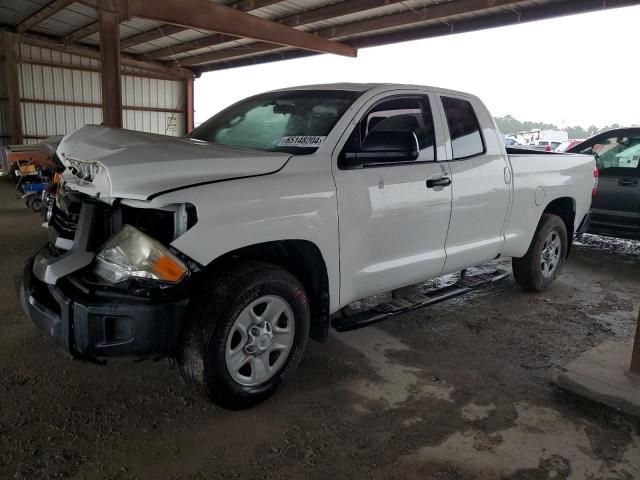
[{"x": 415, "y": 301}]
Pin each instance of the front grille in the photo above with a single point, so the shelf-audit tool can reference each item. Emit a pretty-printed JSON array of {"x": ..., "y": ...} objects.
[{"x": 65, "y": 223}]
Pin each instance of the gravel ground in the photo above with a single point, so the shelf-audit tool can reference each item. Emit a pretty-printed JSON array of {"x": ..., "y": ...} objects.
[{"x": 461, "y": 390}]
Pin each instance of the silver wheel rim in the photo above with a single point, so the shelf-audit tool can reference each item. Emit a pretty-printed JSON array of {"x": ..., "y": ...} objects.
[
  {"x": 551, "y": 252},
  {"x": 260, "y": 340}
]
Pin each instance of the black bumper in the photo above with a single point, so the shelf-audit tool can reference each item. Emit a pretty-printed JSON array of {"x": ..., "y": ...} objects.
[{"x": 107, "y": 325}]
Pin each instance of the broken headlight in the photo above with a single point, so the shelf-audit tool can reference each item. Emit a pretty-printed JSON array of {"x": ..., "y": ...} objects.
[{"x": 132, "y": 254}]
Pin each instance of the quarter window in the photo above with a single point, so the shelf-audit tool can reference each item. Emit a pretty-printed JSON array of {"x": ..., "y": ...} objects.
[{"x": 464, "y": 129}]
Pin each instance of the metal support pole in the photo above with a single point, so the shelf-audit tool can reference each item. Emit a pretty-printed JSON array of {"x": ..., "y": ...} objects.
[
  {"x": 109, "y": 18},
  {"x": 189, "y": 107},
  {"x": 635, "y": 354},
  {"x": 9, "y": 61}
]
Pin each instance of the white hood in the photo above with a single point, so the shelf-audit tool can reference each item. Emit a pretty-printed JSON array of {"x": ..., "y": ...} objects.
[{"x": 119, "y": 163}]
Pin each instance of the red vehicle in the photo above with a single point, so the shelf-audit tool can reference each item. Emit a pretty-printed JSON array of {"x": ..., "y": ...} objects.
[
  {"x": 564, "y": 146},
  {"x": 41, "y": 155}
]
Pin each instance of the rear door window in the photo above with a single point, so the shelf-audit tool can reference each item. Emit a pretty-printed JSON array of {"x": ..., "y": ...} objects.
[{"x": 464, "y": 128}]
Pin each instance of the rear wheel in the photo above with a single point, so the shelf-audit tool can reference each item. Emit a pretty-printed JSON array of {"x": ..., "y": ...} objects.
[
  {"x": 245, "y": 334},
  {"x": 545, "y": 258}
]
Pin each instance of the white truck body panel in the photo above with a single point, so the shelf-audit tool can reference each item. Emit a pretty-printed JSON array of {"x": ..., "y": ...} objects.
[{"x": 377, "y": 228}]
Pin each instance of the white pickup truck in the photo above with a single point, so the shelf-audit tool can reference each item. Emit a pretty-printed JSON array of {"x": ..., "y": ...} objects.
[{"x": 229, "y": 248}]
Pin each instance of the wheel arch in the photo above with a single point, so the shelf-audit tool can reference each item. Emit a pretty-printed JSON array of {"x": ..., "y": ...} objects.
[
  {"x": 301, "y": 258},
  {"x": 565, "y": 208}
]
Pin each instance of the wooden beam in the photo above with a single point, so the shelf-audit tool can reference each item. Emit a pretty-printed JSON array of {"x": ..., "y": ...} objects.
[
  {"x": 8, "y": 60},
  {"x": 151, "y": 35},
  {"x": 109, "y": 19},
  {"x": 334, "y": 10},
  {"x": 204, "y": 42},
  {"x": 242, "y": 5},
  {"x": 91, "y": 52},
  {"x": 440, "y": 11},
  {"x": 317, "y": 14},
  {"x": 189, "y": 104},
  {"x": 134, "y": 108},
  {"x": 258, "y": 47},
  {"x": 435, "y": 12},
  {"x": 218, "y": 18},
  {"x": 84, "y": 68},
  {"x": 87, "y": 30},
  {"x": 79, "y": 34},
  {"x": 248, "y": 5},
  {"x": 42, "y": 14}
]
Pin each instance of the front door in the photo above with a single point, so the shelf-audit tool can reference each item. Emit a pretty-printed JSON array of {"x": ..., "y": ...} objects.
[{"x": 392, "y": 226}]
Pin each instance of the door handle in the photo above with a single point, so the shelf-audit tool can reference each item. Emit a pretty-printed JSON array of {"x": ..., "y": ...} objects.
[
  {"x": 628, "y": 182},
  {"x": 438, "y": 182}
]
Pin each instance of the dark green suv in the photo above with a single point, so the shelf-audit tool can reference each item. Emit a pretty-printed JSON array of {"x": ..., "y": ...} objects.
[{"x": 615, "y": 209}]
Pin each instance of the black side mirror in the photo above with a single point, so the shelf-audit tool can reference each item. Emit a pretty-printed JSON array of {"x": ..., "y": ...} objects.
[{"x": 383, "y": 147}]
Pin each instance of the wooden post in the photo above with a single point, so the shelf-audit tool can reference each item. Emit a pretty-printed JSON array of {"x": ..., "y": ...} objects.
[
  {"x": 109, "y": 18},
  {"x": 9, "y": 61},
  {"x": 189, "y": 104},
  {"x": 635, "y": 353}
]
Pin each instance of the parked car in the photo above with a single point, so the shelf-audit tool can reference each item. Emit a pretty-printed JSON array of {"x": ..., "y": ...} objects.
[
  {"x": 543, "y": 146},
  {"x": 511, "y": 142},
  {"x": 564, "y": 146},
  {"x": 616, "y": 206},
  {"x": 229, "y": 248}
]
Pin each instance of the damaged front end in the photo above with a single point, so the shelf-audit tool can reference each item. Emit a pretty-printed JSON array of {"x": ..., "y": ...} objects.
[{"x": 108, "y": 282}]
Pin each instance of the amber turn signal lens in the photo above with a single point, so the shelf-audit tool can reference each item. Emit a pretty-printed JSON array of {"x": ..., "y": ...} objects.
[{"x": 167, "y": 269}]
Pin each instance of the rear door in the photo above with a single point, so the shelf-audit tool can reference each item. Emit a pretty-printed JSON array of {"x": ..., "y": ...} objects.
[
  {"x": 481, "y": 180},
  {"x": 616, "y": 207}
]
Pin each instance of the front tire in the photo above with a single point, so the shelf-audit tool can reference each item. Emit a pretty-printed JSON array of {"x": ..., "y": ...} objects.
[
  {"x": 245, "y": 333},
  {"x": 545, "y": 258}
]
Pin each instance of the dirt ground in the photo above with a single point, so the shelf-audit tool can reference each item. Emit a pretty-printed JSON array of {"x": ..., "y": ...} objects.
[{"x": 461, "y": 390}]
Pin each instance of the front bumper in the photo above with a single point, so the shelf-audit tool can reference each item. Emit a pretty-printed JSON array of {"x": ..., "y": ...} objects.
[{"x": 90, "y": 324}]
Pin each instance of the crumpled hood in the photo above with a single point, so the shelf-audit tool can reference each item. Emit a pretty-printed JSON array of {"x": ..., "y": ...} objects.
[{"x": 118, "y": 163}]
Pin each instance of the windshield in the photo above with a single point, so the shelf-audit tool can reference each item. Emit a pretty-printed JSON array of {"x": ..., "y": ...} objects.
[{"x": 295, "y": 122}]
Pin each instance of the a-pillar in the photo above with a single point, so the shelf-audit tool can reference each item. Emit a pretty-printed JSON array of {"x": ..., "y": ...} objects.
[{"x": 109, "y": 18}]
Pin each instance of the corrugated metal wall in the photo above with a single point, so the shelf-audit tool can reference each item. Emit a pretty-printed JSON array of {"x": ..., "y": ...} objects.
[
  {"x": 61, "y": 92},
  {"x": 166, "y": 97}
]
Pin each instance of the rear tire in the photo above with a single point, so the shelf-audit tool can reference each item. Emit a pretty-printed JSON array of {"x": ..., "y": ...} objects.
[
  {"x": 545, "y": 258},
  {"x": 245, "y": 334}
]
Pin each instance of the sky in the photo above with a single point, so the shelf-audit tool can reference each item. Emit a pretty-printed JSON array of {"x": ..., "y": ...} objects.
[{"x": 575, "y": 70}]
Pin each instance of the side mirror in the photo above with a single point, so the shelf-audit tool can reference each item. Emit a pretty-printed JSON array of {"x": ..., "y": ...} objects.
[{"x": 383, "y": 147}]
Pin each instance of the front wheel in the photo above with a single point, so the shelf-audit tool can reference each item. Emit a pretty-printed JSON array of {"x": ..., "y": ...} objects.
[
  {"x": 546, "y": 255},
  {"x": 245, "y": 334}
]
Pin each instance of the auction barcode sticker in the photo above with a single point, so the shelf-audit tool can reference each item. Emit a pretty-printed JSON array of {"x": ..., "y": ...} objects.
[{"x": 301, "y": 141}]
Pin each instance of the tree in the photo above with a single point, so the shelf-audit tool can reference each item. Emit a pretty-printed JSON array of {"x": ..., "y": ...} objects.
[
  {"x": 509, "y": 125},
  {"x": 577, "y": 132}
]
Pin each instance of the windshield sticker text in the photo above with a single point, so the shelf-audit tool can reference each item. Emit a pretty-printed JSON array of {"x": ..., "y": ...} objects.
[{"x": 301, "y": 141}]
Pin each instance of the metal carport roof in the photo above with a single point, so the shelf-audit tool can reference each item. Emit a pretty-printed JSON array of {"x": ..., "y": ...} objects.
[{"x": 177, "y": 44}]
